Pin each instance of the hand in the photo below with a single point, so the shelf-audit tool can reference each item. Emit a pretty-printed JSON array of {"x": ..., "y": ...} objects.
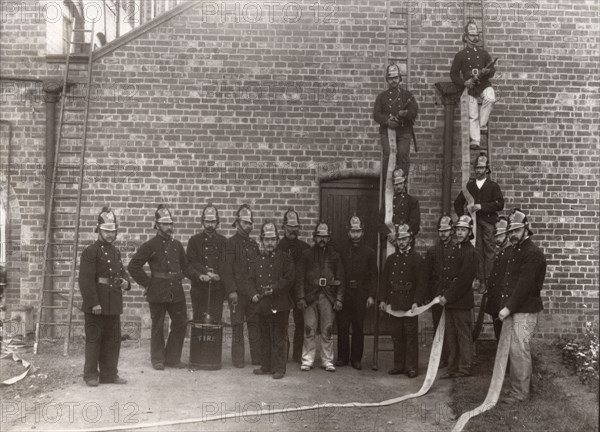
[
  {"x": 301, "y": 304},
  {"x": 414, "y": 306},
  {"x": 402, "y": 113},
  {"x": 204, "y": 278},
  {"x": 233, "y": 298},
  {"x": 393, "y": 124},
  {"x": 124, "y": 284},
  {"x": 97, "y": 310},
  {"x": 337, "y": 306},
  {"x": 382, "y": 306},
  {"x": 504, "y": 313},
  {"x": 269, "y": 290},
  {"x": 485, "y": 71},
  {"x": 474, "y": 208},
  {"x": 470, "y": 83},
  {"x": 214, "y": 276},
  {"x": 391, "y": 238},
  {"x": 255, "y": 298},
  {"x": 443, "y": 301},
  {"x": 370, "y": 302}
]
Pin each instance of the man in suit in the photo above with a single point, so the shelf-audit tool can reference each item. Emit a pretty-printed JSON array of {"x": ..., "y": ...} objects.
[{"x": 488, "y": 202}]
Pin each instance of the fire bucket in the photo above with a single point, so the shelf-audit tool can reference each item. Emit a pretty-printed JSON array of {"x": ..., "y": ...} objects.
[{"x": 206, "y": 344}]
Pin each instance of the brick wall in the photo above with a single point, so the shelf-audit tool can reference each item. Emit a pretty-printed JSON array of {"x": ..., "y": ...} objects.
[{"x": 251, "y": 103}]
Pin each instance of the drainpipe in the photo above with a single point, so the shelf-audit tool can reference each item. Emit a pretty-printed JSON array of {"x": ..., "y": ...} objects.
[
  {"x": 450, "y": 97},
  {"x": 52, "y": 90}
]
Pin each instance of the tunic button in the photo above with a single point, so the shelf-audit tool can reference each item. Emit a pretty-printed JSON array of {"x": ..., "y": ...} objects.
[{"x": 108, "y": 261}]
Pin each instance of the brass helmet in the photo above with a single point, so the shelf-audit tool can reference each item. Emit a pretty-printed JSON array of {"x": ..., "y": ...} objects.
[
  {"x": 322, "y": 229},
  {"x": 445, "y": 223},
  {"x": 392, "y": 71},
  {"x": 162, "y": 215},
  {"x": 291, "y": 218},
  {"x": 244, "y": 213},
  {"x": 399, "y": 177},
  {"x": 354, "y": 223},
  {"x": 268, "y": 230},
  {"x": 402, "y": 231},
  {"x": 107, "y": 220},
  {"x": 465, "y": 221},
  {"x": 210, "y": 213},
  {"x": 518, "y": 219},
  {"x": 482, "y": 161},
  {"x": 501, "y": 226}
]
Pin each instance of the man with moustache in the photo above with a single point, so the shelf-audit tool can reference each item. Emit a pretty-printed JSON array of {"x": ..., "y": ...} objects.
[
  {"x": 273, "y": 297},
  {"x": 497, "y": 274},
  {"x": 204, "y": 252},
  {"x": 360, "y": 264},
  {"x": 521, "y": 299},
  {"x": 488, "y": 202},
  {"x": 293, "y": 246},
  {"x": 395, "y": 109},
  {"x": 437, "y": 265},
  {"x": 239, "y": 276},
  {"x": 319, "y": 293},
  {"x": 458, "y": 299},
  {"x": 404, "y": 286},
  {"x": 102, "y": 280},
  {"x": 406, "y": 210},
  {"x": 472, "y": 68},
  {"x": 164, "y": 289}
]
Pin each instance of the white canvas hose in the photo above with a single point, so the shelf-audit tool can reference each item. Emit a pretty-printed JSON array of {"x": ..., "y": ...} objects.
[{"x": 432, "y": 368}]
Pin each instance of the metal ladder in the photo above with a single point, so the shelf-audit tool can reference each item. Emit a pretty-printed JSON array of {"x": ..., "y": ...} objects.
[
  {"x": 64, "y": 208},
  {"x": 398, "y": 33},
  {"x": 475, "y": 10}
]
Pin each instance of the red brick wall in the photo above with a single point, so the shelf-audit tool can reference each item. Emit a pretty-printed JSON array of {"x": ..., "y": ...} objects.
[{"x": 238, "y": 108}]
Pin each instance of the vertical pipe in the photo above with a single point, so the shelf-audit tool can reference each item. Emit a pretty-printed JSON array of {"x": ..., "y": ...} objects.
[{"x": 450, "y": 95}]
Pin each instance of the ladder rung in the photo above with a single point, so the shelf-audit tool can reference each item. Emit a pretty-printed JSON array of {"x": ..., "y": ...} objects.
[
  {"x": 398, "y": 28},
  {"x": 75, "y": 96},
  {"x": 403, "y": 59},
  {"x": 57, "y": 275},
  {"x": 398, "y": 44},
  {"x": 54, "y": 307},
  {"x": 58, "y": 259},
  {"x": 77, "y": 123},
  {"x": 64, "y": 213},
  {"x": 57, "y": 292},
  {"x": 70, "y": 137},
  {"x": 74, "y": 109},
  {"x": 62, "y": 227},
  {"x": 82, "y": 30},
  {"x": 52, "y": 323},
  {"x": 70, "y": 151},
  {"x": 65, "y": 182}
]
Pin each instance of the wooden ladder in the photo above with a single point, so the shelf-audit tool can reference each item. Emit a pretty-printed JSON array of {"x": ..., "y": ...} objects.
[
  {"x": 64, "y": 202},
  {"x": 398, "y": 42}
]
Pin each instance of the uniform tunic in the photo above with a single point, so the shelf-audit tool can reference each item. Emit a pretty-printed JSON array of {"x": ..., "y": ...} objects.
[
  {"x": 206, "y": 252},
  {"x": 100, "y": 273},
  {"x": 463, "y": 65}
]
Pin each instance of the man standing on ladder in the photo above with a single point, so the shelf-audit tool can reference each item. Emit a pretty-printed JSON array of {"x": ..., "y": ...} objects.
[
  {"x": 472, "y": 68},
  {"x": 488, "y": 202},
  {"x": 396, "y": 109},
  {"x": 102, "y": 280}
]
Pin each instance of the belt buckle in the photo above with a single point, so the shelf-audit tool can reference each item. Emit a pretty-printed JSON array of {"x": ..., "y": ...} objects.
[
  {"x": 322, "y": 282},
  {"x": 353, "y": 284},
  {"x": 475, "y": 72}
]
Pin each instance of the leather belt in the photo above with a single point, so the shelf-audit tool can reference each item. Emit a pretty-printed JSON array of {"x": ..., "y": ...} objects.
[
  {"x": 106, "y": 281},
  {"x": 323, "y": 282},
  {"x": 353, "y": 284},
  {"x": 177, "y": 275}
]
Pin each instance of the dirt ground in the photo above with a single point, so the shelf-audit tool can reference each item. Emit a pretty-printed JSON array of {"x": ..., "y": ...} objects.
[
  {"x": 56, "y": 398},
  {"x": 558, "y": 403}
]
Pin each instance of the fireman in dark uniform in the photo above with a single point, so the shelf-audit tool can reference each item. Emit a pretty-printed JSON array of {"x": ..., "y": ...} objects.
[
  {"x": 406, "y": 208},
  {"x": 437, "y": 265},
  {"x": 472, "y": 68},
  {"x": 164, "y": 289},
  {"x": 404, "y": 285},
  {"x": 459, "y": 302},
  {"x": 488, "y": 202},
  {"x": 360, "y": 264},
  {"x": 274, "y": 284},
  {"x": 204, "y": 252},
  {"x": 102, "y": 278},
  {"x": 395, "y": 109},
  {"x": 521, "y": 299},
  {"x": 293, "y": 246},
  {"x": 239, "y": 276},
  {"x": 496, "y": 278},
  {"x": 319, "y": 293}
]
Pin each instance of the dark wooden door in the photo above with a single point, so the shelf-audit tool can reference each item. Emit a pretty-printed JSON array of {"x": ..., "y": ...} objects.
[{"x": 339, "y": 200}]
